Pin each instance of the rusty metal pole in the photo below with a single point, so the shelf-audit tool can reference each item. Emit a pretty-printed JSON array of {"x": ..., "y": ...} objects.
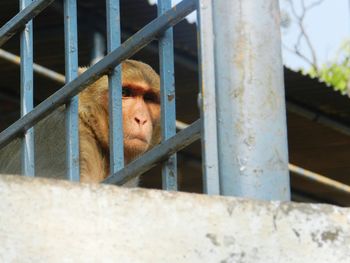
[{"x": 251, "y": 111}]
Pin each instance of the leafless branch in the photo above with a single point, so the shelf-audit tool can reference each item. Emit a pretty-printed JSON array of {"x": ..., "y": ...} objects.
[
  {"x": 300, "y": 55},
  {"x": 303, "y": 35}
]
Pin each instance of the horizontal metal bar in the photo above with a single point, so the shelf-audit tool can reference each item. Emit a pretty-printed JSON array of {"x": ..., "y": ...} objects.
[
  {"x": 318, "y": 117},
  {"x": 318, "y": 178},
  {"x": 181, "y": 125},
  {"x": 18, "y": 21},
  {"x": 127, "y": 49},
  {"x": 297, "y": 171},
  {"x": 158, "y": 154},
  {"x": 40, "y": 70}
]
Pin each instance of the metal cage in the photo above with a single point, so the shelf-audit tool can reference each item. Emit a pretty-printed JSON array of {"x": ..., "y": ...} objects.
[{"x": 242, "y": 125}]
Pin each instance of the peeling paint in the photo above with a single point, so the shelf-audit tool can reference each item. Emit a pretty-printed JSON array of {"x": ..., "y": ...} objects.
[
  {"x": 171, "y": 97},
  {"x": 250, "y": 141},
  {"x": 277, "y": 161}
]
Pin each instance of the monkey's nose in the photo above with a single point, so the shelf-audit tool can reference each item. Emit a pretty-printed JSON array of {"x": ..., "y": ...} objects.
[{"x": 140, "y": 121}]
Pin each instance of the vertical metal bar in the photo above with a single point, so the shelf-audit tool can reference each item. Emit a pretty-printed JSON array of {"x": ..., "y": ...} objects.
[
  {"x": 71, "y": 55},
  {"x": 26, "y": 39},
  {"x": 252, "y": 133},
  {"x": 167, "y": 91},
  {"x": 115, "y": 91},
  {"x": 99, "y": 49},
  {"x": 207, "y": 99}
]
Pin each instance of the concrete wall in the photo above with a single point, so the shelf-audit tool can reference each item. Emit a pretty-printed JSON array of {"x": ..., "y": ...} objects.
[{"x": 55, "y": 221}]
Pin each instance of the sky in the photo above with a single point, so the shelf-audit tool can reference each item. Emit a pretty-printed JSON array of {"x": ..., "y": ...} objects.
[{"x": 327, "y": 25}]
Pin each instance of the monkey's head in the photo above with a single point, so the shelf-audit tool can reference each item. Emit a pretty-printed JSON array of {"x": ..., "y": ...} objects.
[{"x": 141, "y": 109}]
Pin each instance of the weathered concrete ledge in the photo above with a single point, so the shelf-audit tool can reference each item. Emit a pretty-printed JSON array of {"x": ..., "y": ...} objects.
[{"x": 55, "y": 221}]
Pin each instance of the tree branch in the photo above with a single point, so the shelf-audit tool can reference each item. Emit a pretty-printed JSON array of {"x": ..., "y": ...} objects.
[{"x": 303, "y": 35}]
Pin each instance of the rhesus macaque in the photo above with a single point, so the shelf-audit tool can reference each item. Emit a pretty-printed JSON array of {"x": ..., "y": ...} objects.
[{"x": 141, "y": 114}]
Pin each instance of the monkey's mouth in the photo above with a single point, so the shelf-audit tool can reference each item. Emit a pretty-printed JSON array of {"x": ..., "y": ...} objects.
[
  {"x": 136, "y": 145},
  {"x": 138, "y": 138}
]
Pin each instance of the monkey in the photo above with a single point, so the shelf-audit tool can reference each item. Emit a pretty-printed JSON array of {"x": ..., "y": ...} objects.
[{"x": 141, "y": 127}]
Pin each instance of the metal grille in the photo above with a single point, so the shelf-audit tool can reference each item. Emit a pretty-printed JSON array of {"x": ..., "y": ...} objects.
[{"x": 74, "y": 84}]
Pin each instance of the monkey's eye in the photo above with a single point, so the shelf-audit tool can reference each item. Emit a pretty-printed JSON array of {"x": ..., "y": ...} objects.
[
  {"x": 126, "y": 92},
  {"x": 150, "y": 97}
]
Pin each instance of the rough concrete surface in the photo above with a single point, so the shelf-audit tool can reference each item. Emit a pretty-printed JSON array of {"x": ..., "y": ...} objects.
[{"x": 44, "y": 220}]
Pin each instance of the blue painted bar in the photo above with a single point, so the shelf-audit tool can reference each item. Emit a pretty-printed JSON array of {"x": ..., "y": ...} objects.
[
  {"x": 99, "y": 47},
  {"x": 26, "y": 41},
  {"x": 127, "y": 49},
  {"x": 72, "y": 122},
  {"x": 207, "y": 99},
  {"x": 157, "y": 154},
  {"x": 19, "y": 21},
  {"x": 251, "y": 112},
  {"x": 116, "y": 150},
  {"x": 167, "y": 96}
]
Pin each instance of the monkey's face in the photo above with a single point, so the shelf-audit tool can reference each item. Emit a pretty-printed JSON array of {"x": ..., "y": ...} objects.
[{"x": 141, "y": 113}]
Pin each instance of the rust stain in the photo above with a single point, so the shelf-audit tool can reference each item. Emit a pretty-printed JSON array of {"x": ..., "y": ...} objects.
[{"x": 171, "y": 97}]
